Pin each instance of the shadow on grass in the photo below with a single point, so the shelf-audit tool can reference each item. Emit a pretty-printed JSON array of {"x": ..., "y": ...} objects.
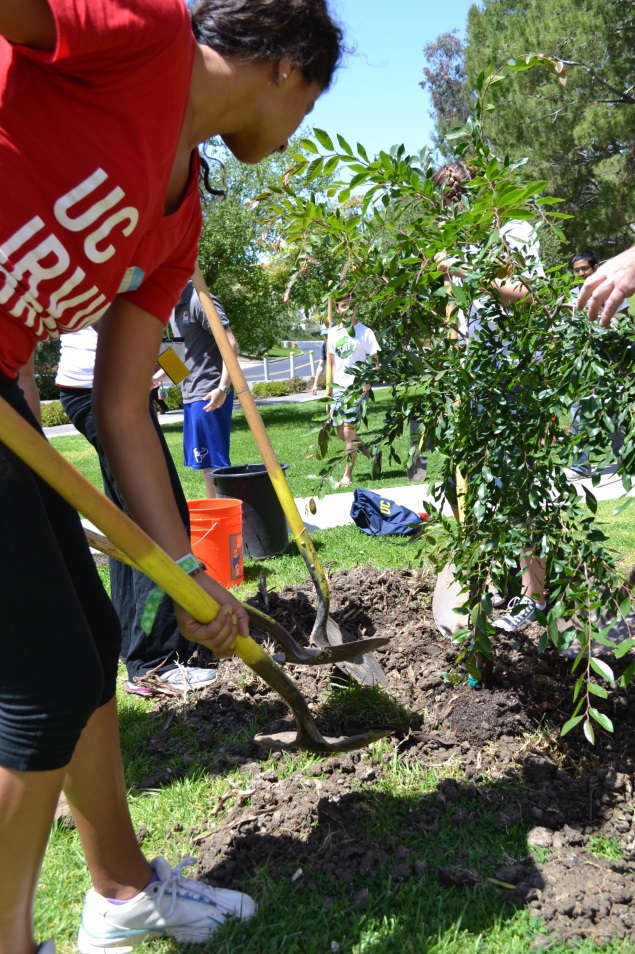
[{"x": 380, "y": 872}]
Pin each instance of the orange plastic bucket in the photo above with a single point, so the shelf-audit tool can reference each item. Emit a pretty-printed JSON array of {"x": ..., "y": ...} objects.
[{"x": 216, "y": 534}]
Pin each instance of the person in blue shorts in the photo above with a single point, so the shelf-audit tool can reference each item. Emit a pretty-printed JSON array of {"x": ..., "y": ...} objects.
[{"x": 207, "y": 392}]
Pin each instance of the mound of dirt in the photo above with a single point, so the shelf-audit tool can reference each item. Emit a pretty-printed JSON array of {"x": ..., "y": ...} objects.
[{"x": 574, "y": 801}]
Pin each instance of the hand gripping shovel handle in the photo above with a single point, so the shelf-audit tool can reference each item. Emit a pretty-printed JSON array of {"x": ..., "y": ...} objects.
[
  {"x": 27, "y": 444},
  {"x": 293, "y": 651}
]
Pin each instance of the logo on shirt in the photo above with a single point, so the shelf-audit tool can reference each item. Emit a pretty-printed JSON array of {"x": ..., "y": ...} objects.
[
  {"x": 345, "y": 346},
  {"x": 39, "y": 281},
  {"x": 132, "y": 279}
]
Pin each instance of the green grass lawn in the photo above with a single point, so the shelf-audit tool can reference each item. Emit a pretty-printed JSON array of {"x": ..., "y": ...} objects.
[{"x": 414, "y": 919}]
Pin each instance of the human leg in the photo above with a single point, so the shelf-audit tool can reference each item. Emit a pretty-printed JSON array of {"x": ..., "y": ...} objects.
[
  {"x": 52, "y": 675},
  {"x": 219, "y": 422},
  {"x": 522, "y": 609}
]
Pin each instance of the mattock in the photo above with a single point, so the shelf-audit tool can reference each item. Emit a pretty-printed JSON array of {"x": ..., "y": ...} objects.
[{"x": 31, "y": 447}]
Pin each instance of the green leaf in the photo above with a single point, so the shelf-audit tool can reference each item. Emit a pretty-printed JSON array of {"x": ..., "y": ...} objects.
[
  {"x": 578, "y": 686},
  {"x": 596, "y": 690},
  {"x": 323, "y": 138},
  {"x": 601, "y": 719},
  {"x": 602, "y": 669},
  {"x": 344, "y": 146},
  {"x": 627, "y": 675},
  {"x": 591, "y": 500},
  {"x": 589, "y": 732},
  {"x": 309, "y": 145},
  {"x": 571, "y": 724},
  {"x": 622, "y": 648}
]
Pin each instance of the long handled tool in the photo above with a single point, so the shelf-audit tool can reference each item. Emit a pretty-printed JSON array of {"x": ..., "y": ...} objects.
[
  {"x": 293, "y": 651},
  {"x": 365, "y": 668},
  {"x": 448, "y": 593},
  {"x": 38, "y": 454}
]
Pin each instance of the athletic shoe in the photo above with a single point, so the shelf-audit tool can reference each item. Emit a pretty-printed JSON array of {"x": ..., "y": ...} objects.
[
  {"x": 582, "y": 470},
  {"x": 136, "y": 690},
  {"x": 187, "y": 678},
  {"x": 172, "y": 906},
  {"x": 47, "y": 948},
  {"x": 521, "y": 610}
]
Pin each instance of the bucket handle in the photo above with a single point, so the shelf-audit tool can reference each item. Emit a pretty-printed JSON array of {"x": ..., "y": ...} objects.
[{"x": 205, "y": 535}]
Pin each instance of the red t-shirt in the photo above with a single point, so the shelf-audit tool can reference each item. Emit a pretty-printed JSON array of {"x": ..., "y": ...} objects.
[{"x": 88, "y": 135}]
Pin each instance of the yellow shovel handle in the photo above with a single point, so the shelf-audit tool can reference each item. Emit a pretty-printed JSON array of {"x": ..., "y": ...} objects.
[
  {"x": 29, "y": 445},
  {"x": 257, "y": 427}
]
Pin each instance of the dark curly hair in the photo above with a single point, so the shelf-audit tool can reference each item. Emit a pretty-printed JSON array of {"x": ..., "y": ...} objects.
[{"x": 303, "y": 30}]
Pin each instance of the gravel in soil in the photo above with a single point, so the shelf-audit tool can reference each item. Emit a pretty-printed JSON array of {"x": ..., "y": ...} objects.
[{"x": 498, "y": 754}]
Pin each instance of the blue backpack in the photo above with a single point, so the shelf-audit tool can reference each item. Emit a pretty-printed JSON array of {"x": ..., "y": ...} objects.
[{"x": 378, "y": 516}]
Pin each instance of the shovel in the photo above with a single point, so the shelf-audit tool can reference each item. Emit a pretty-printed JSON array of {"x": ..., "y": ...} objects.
[
  {"x": 448, "y": 593},
  {"x": 364, "y": 668},
  {"x": 31, "y": 447},
  {"x": 293, "y": 651}
]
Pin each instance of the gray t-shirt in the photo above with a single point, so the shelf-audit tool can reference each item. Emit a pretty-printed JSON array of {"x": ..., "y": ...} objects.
[{"x": 202, "y": 355}]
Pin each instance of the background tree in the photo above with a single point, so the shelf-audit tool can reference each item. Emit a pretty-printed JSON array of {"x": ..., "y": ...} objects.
[
  {"x": 240, "y": 252},
  {"x": 529, "y": 362},
  {"x": 445, "y": 81},
  {"x": 579, "y": 138}
]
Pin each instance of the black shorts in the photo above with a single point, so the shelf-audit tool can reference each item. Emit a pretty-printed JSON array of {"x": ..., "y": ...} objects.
[{"x": 59, "y": 635}]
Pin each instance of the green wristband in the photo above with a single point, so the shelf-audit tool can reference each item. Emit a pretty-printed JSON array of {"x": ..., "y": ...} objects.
[{"x": 190, "y": 564}]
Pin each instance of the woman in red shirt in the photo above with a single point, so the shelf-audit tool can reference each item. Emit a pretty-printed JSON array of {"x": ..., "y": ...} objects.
[{"x": 102, "y": 106}]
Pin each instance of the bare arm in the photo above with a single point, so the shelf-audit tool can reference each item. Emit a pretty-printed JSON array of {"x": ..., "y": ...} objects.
[
  {"x": 129, "y": 340},
  {"x": 216, "y": 398},
  {"x": 26, "y": 380},
  {"x": 28, "y": 23},
  {"x": 320, "y": 369},
  {"x": 612, "y": 282}
]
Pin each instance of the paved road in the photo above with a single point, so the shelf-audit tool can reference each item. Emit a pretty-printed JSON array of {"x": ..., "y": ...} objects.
[{"x": 279, "y": 368}]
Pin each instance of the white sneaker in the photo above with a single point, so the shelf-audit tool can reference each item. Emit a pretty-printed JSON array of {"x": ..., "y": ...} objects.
[
  {"x": 187, "y": 678},
  {"x": 47, "y": 948},
  {"x": 173, "y": 906}
]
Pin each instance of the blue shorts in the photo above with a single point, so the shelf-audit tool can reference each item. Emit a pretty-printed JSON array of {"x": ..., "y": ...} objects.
[{"x": 206, "y": 434}]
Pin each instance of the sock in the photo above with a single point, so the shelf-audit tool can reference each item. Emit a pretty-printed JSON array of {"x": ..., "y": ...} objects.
[{"x": 154, "y": 878}]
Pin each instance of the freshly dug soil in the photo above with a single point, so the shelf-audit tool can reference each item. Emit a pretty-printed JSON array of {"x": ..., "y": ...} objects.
[{"x": 572, "y": 799}]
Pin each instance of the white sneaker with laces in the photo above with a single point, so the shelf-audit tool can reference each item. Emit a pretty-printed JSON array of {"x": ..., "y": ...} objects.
[
  {"x": 47, "y": 948},
  {"x": 187, "y": 678},
  {"x": 173, "y": 906},
  {"x": 520, "y": 611}
]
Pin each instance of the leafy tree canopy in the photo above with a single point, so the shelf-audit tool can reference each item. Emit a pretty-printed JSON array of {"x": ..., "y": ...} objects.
[
  {"x": 579, "y": 138},
  {"x": 494, "y": 404},
  {"x": 240, "y": 252}
]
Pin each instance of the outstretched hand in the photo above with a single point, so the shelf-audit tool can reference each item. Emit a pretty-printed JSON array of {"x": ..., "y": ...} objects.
[
  {"x": 219, "y": 636},
  {"x": 606, "y": 289}
]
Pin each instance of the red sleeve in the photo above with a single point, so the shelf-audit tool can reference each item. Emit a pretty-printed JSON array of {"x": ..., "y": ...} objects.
[
  {"x": 162, "y": 288},
  {"x": 90, "y": 28}
]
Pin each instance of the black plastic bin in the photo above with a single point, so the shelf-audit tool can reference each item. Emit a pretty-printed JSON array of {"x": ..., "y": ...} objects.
[{"x": 264, "y": 523}]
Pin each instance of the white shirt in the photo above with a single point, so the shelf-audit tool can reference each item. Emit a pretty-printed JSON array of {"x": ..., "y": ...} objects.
[
  {"x": 77, "y": 359},
  {"x": 348, "y": 351}
]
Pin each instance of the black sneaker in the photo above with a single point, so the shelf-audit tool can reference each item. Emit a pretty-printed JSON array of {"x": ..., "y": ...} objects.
[{"x": 520, "y": 611}]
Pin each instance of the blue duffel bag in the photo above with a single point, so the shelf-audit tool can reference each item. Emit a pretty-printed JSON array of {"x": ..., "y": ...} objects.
[{"x": 378, "y": 516}]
